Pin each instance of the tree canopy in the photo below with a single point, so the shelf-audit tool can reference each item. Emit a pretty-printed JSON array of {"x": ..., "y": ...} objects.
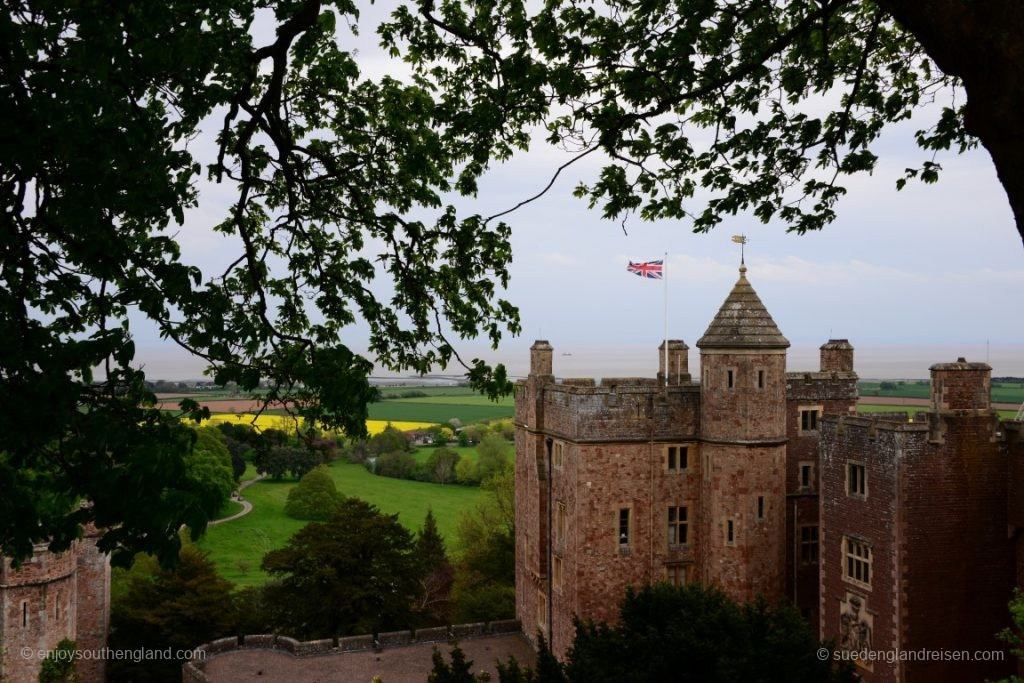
[
  {"x": 341, "y": 187},
  {"x": 358, "y": 572},
  {"x": 100, "y": 102},
  {"x": 760, "y": 107}
]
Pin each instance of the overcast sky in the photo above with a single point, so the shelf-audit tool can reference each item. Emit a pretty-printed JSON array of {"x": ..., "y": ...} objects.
[{"x": 933, "y": 269}]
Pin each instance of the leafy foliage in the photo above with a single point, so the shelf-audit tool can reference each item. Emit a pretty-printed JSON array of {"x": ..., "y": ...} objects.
[
  {"x": 436, "y": 573},
  {"x": 459, "y": 671},
  {"x": 389, "y": 440},
  {"x": 178, "y": 608},
  {"x": 1014, "y": 635},
  {"x": 315, "y": 497},
  {"x": 356, "y": 573},
  {"x": 60, "y": 666},
  {"x": 398, "y": 465},
  {"x": 484, "y": 586},
  {"x": 761, "y": 105},
  {"x": 693, "y": 633},
  {"x": 440, "y": 465},
  {"x": 278, "y": 461},
  {"x": 326, "y": 168}
]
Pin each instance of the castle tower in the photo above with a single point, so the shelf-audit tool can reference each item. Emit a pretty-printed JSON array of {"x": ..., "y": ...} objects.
[
  {"x": 837, "y": 356},
  {"x": 961, "y": 386},
  {"x": 678, "y": 362},
  {"x": 743, "y": 430}
]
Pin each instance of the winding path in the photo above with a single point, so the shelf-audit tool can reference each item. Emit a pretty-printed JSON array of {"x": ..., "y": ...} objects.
[{"x": 246, "y": 505}]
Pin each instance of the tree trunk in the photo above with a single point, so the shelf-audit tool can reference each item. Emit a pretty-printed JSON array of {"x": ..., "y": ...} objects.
[{"x": 982, "y": 43}]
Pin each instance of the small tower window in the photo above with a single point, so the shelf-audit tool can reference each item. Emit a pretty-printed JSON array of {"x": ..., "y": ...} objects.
[
  {"x": 730, "y": 532},
  {"x": 623, "y": 529},
  {"x": 806, "y": 475},
  {"x": 760, "y": 507},
  {"x": 24, "y": 613},
  {"x": 730, "y": 379},
  {"x": 760, "y": 379}
]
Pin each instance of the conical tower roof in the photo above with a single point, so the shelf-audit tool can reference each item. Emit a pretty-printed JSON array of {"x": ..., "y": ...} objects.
[{"x": 743, "y": 322}]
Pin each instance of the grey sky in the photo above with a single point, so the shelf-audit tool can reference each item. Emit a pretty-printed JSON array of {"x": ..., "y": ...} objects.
[{"x": 931, "y": 265}]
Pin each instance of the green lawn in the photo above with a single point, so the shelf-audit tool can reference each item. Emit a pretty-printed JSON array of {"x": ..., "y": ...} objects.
[
  {"x": 229, "y": 508},
  {"x": 237, "y": 547}
]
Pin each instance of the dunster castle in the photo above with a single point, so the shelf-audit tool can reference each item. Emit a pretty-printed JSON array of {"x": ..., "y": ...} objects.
[{"x": 888, "y": 532}]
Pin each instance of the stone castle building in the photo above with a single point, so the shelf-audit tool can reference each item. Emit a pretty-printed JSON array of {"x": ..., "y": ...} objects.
[
  {"x": 51, "y": 597},
  {"x": 766, "y": 482}
]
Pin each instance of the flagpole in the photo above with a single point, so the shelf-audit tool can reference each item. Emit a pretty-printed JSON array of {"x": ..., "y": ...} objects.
[{"x": 664, "y": 270}]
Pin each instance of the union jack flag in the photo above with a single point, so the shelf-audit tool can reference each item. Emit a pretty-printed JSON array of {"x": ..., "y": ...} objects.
[{"x": 649, "y": 269}]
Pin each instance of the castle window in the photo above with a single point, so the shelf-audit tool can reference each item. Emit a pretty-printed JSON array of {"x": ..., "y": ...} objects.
[
  {"x": 560, "y": 524},
  {"x": 856, "y": 480},
  {"x": 556, "y": 455},
  {"x": 760, "y": 507},
  {"x": 623, "y": 530},
  {"x": 730, "y": 379},
  {"x": 760, "y": 379},
  {"x": 857, "y": 565},
  {"x": 707, "y": 466},
  {"x": 809, "y": 543},
  {"x": 24, "y": 613},
  {"x": 677, "y": 526},
  {"x": 557, "y": 571},
  {"x": 809, "y": 419},
  {"x": 676, "y": 458},
  {"x": 676, "y": 574},
  {"x": 806, "y": 475},
  {"x": 730, "y": 532}
]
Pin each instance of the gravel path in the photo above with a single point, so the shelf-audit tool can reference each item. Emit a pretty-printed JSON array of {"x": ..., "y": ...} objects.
[{"x": 246, "y": 505}]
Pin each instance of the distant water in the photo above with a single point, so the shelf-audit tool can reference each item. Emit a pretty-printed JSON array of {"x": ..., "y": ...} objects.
[{"x": 578, "y": 360}]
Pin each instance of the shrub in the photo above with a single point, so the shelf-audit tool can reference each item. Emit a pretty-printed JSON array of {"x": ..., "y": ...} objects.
[
  {"x": 316, "y": 498},
  {"x": 493, "y": 453},
  {"x": 440, "y": 466},
  {"x": 466, "y": 472},
  {"x": 387, "y": 441},
  {"x": 398, "y": 465}
]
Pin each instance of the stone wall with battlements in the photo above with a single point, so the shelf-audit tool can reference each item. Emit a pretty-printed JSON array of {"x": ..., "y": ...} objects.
[
  {"x": 38, "y": 604},
  {"x": 831, "y": 392},
  {"x": 930, "y": 511}
]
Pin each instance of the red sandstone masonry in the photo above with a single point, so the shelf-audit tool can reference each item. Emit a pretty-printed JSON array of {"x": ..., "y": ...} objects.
[
  {"x": 38, "y": 607},
  {"x": 833, "y": 391}
]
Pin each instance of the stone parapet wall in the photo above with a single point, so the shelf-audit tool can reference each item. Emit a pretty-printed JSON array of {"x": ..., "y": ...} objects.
[
  {"x": 616, "y": 409},
  {"x": 42, "y": 567},
  {"x": 193, "y": 670}
]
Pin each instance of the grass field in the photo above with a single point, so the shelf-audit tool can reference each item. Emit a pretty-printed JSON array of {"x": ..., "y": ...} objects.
[
  {"x": 429, "y": 391},
  {"x": 237, "y": 547},
  {"x": 1002, "y": 392},
  {"x": 465, "y": 453},
  {"x": 460, "y": 400},
  {"x": 429, "y": 410},
  {"x": 910, "y": 410}
]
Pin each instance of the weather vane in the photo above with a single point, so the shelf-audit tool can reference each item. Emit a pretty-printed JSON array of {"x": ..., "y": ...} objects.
[{"x": 741, "y": 240}]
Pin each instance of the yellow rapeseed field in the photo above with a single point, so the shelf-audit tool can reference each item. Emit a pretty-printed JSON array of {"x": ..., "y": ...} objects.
[{"x": 285, "y": 423}]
